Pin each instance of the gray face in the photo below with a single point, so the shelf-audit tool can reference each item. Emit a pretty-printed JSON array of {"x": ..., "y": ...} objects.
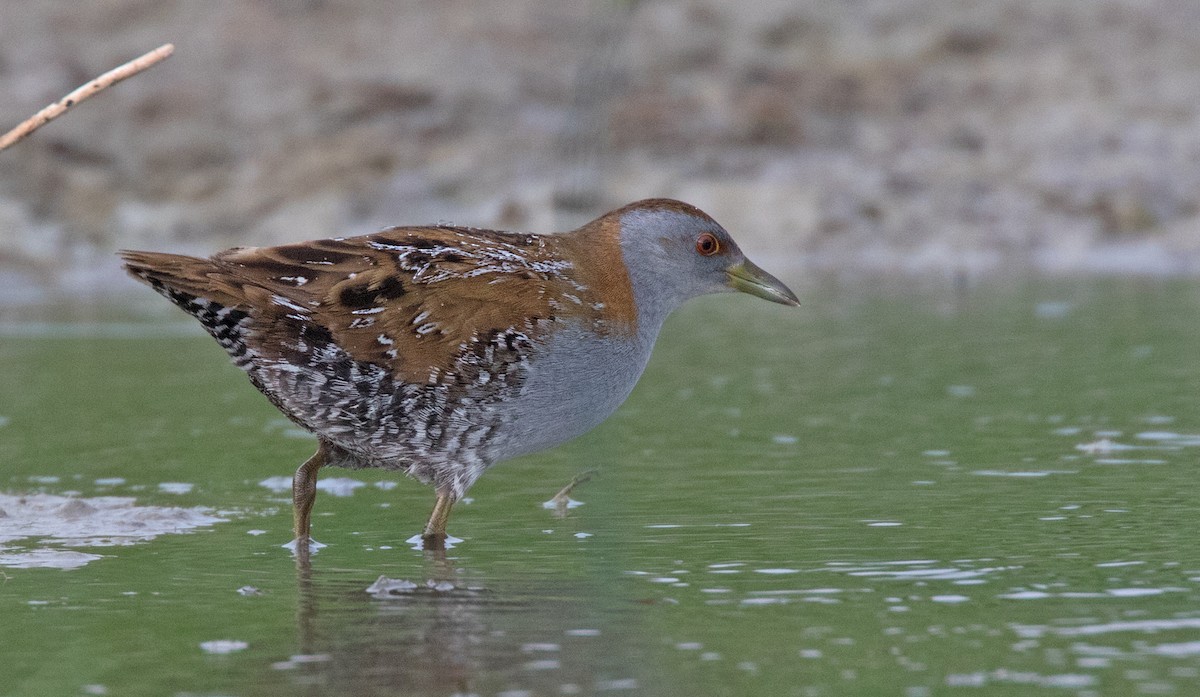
[
  {"x": 670, "y": 249},
  {"x": 673, "y": 256},
  {"x": 709, "y": 253}
]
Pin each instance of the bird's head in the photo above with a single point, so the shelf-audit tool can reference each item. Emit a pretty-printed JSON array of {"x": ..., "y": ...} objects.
[{"x": 674, "y": 251}]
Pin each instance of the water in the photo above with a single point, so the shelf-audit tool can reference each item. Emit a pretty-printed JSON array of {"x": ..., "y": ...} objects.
[{"x": 886, "y": 491}]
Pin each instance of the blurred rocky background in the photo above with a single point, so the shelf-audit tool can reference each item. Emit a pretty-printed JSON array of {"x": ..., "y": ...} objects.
[{"x": 944, "y": 137}]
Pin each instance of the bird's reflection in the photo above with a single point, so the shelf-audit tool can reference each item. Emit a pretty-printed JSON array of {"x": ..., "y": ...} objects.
[{"x": 446, "y": 632}]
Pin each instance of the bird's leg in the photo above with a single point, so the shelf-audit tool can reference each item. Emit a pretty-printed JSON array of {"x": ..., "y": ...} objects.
[
  {"x": 562, "y": 500},
  {"x": 304, "y": 492},
  {"x": 434, "y": 536}
]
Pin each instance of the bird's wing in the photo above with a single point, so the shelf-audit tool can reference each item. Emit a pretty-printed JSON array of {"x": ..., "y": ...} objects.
[{"x": 411, "y": 300}]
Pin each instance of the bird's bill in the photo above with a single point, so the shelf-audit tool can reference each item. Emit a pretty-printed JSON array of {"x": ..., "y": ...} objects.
[{"x": 746, "y": 277}]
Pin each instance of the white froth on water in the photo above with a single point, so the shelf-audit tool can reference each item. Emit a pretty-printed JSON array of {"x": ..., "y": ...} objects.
[
  {"x": 313, "y": 546},
  {"x": 1015, "y": 677},
  {"x": 1177, "y": 650},
  {"x": 552, "y": 504},
  {"x": 46, "y": 558},
  {"x": 916, "y": 570},
  {"x": 384, "y": 587},
  {"x": 1036, "y": 631},
  {"x": 334, "y": 486},
  {"x": 1021, "y": 474},
  {"x": 1171, "y": 439},
  {"x": 418, "y": 543},
  {"x": 278, "y": 484},
  {"x": 339, "y": 486},
  {"x": 301, "y": 659},
  {"x": 1127, "y": 461},
  {"x": 223, "y": 646},
  {"x": 69, "y": 521}
]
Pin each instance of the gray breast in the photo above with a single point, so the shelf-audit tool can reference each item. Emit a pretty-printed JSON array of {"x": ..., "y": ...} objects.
[{"x": 575, "y": 381}]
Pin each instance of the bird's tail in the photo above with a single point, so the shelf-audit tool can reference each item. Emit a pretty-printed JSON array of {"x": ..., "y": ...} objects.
[
  {"x": 182, "y": 279},
  {"x": 204, "y": 290}
]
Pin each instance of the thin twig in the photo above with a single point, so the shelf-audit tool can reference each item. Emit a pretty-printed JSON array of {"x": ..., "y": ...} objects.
[{"x": 81, "y": 93}]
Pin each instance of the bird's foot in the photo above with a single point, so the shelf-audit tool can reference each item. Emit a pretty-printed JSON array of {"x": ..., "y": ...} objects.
[
  {"x": 298, "y": 546},
  {"x": 432, "y": 542},
  {"x": 561, "y": 502}
]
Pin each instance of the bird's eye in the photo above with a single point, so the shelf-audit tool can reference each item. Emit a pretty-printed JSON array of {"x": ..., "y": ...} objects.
[{"x": 708, "y": 244}]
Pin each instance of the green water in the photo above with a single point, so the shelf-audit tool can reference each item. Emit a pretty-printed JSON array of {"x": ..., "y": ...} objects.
[{"x": 879, "y": 493}]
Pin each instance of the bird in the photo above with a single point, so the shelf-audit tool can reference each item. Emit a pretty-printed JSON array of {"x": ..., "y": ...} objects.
[{"x": 441, "y": 350}]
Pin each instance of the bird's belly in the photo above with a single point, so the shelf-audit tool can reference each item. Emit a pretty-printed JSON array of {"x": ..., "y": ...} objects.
[{"x": 574, "y": 383}]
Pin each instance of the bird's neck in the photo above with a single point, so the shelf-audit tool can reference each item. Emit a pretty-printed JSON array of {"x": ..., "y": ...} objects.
[
  {"x": 625, "y": 280},
  {"x": 599, "y": 265}
]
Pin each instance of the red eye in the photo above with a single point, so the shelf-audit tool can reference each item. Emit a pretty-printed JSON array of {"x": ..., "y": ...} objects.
[{"x": 708, "y": 244}]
